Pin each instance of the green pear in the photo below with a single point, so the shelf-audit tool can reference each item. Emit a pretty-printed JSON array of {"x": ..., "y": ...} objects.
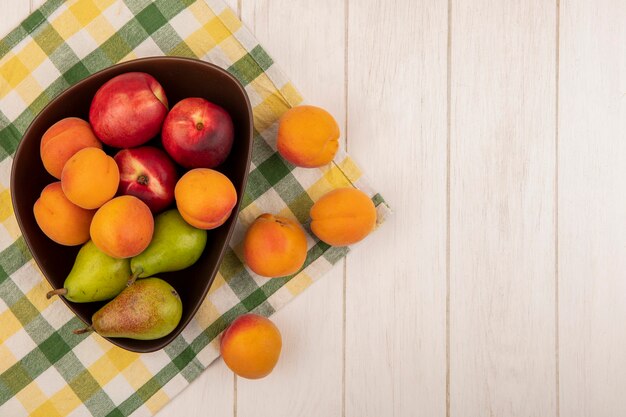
[
  {"x": 149, "y": 309},
  {"x": 175, "y": 245},
  {"x": 95, "y": 276}
]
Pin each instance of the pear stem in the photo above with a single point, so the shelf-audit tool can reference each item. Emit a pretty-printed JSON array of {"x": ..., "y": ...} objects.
[
  {"x": 84, "y": 330},
  {"x": 58, "y": 291},
  {"x": 134, "y": 277}
]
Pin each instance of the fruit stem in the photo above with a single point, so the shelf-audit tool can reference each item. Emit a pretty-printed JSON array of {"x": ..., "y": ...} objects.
[
  {"x": 200, "y": 126},
  {"x": 58, "y": 291},
  {"x": 83, "y": 330},
  {"x": 142, "y": 179},
  {"x": 134, "y": 277}
]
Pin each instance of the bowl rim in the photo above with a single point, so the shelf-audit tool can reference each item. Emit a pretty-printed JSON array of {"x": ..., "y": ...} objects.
[{"x": 166, "y": 340}]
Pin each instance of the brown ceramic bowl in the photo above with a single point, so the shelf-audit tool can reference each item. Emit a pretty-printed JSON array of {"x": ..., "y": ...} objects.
[{"x": 181, "y": 78}]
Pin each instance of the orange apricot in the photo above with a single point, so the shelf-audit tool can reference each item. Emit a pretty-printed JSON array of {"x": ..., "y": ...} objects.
[
  {"x": 90, "y": 178},
  {"x": 62, "y": 140},
  {"x": 205, "y": 198},
  {"x": 308, "y": 136},
  {"x": 251, "y": 346},
  {"x": 343, "y": 216},
  {"x": 122, "y": 227},
  {"x": 60, "y": 219},
  {"x": 274, "y": 246}
]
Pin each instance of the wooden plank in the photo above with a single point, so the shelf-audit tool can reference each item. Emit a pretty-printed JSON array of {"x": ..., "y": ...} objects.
[
  {"x": 502, "y": 209},
  {"x": 592, "y": 208},
  {"x": 13, "y": 12},
  {"x": 34, "y": 3},
  {"x": 396, "y": 278},
  {"x": 306, "y": 39},
  {"x": 212, "y": 393}
]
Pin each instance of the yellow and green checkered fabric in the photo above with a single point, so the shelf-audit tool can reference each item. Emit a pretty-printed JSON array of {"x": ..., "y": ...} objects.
[{"x": 47, "y": 371}]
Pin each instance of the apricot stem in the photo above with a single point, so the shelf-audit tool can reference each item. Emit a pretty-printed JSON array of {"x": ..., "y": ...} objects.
[
  {"x": 58, "y": 291},
  {"x": 134, "y": 277},
  {"x": 83, "y": 330}
]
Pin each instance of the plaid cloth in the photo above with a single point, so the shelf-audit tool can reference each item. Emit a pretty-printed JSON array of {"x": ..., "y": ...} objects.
[{"x": 47, "y": 371}]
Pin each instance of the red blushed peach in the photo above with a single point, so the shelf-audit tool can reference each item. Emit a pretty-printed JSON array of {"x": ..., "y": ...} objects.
[
  {"x": 274, "y": 246},
  {"x": 128, "y": 110},
  {"x": 251, "y": 346},
  {"x": 198, "y": 133}
]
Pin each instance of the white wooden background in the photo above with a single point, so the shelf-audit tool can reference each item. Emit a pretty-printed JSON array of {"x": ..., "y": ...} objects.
[{"x": 497, "y": 132}]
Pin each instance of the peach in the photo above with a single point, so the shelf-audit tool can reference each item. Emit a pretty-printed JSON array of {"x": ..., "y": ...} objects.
[
  {"x": 122, "y": 227},
  {"x": 274, "y": 246},
  {"x": 90, "y": 178},
  {"x": 343, "y": 216},
  {"x": 251, "y": 346},
  {"x": 60, "y": 219},
  {"x": 308, "y": 136},
  {"x": 205, "y": 198},
  {"x": 62, "y": 140}
]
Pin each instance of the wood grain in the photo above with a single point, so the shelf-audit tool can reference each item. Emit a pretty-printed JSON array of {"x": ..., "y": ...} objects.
[
  {"x": 502, "y": 209},
  {"x": 396, "y": 278},
  {"x": 306, "y": 39},
  {"x": 212, "y": 393},
  {"x": 13, "y": 12},
  {"x": 592, "y": 208}
]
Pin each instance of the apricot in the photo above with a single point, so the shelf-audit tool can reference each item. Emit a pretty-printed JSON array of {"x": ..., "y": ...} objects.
[
  {"x": 308, "y": 136},
  {"x": 122, "y": 227},
  {"x": 205, "y": 198},
  {"x": 90, "y": 178},
  {"x": 62, "y": 140},
  {"x": 343, "y": 216},
  {"x": 60, "y": 219},
  {"x": 251, "y": 346},
  {"x": 274, "y": 246}
]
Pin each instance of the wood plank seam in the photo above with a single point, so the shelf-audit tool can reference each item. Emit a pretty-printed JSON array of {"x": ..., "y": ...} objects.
[
  {"x": 343, "y": 341},
  {"x": 346, "y": 14},
  {"x": 448, "y": 153},
  {"x": 556, "y": 210},
  {"x": 501, "y": 139}
]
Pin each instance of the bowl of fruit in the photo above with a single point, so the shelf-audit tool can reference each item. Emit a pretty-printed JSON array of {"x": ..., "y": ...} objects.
[{"x": 126, "y": 188}]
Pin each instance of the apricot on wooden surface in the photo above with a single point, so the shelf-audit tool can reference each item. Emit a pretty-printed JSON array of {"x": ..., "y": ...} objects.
[
  {"x": 343, "y": 216},
  {"x": 60, "y": 219},
  {"x": 122, "y": 227},
  {"x": 90, "y": 178},
  {"x": 308, "y": 136},
  {"x": 205, "y": 198},
  {"x": 251, "y": 346},
  {"x": 274, "y": 246},
  {"x": 62, "y": 140}
]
